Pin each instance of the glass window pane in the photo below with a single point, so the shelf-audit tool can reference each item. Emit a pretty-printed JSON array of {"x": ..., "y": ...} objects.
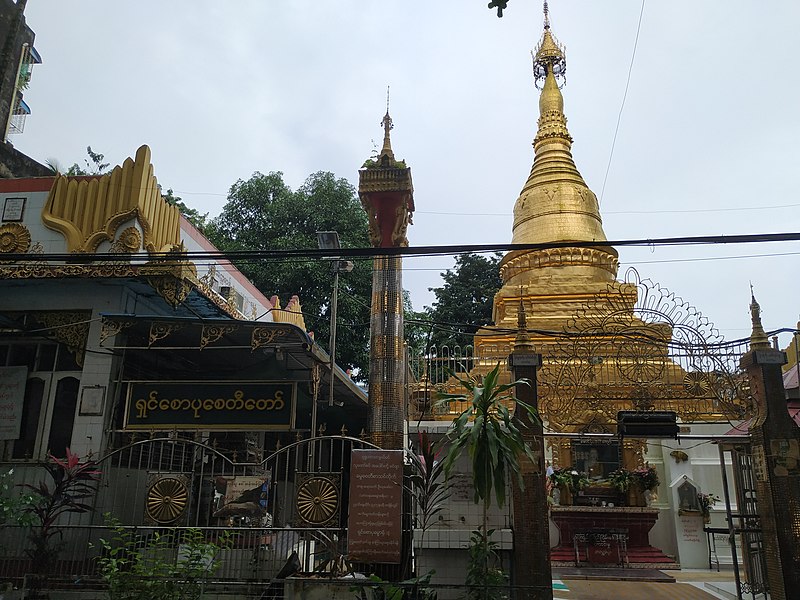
[
  {"x": 47, "y": 357},
  {"x": 31, "y": 409},
  {"x": 63, "y": 419},
  {"x": 22, "y": 355},
  {"x": 66, "y": 360},
  {"x": 3, "y": 354}
]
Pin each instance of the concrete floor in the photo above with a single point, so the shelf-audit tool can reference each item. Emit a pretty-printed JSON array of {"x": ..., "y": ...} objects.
[{"x": 688, "y": 585}]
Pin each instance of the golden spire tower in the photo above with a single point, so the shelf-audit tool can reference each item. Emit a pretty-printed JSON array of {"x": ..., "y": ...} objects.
[
  {"x": 555, "y": 205},
  {"x": 387, "y": 194}
]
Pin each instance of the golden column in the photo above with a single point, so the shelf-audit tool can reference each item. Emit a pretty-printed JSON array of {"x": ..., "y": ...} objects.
[{"x": 387, "y": 195}]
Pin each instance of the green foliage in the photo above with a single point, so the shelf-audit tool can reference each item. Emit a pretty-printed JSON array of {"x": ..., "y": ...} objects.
[
  {"x": 174, "y": 564},
  {"x": 263, "y": 213},
  {"x": 417, "y": 328},
  {"x": 500, "y": 5},
  {"x": 15, "y": 507},
  {"x": 562, "y": 477},
  {"x": 464, "y": 303},
  {"x": 383, "y": 590},
  {"x": 485, "y": 578},
  {"x": 622, "y": 479},
  {"x": 487, "y": 430},
  {"x": 95, "y": 167},
  {"x": 192, "y": 214},
  {"x": 73, "y": 482},
  {"x": 706, "y": 501},
  {"x": 492, "y": 437},
  {"x": 646, "y": 477},
  {"x": 374, "y": 163}
]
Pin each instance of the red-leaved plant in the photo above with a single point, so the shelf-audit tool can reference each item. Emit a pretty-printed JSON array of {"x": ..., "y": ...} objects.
[{"x": 73, "y": 483}]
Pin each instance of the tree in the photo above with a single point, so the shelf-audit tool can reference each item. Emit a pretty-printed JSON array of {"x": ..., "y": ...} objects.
[
  {"x": 500, "y": 5},
  {"x": 488, "y": 432},
  {"x": 192, "y": 214},
  {"x": 263, "y": 213},
  {"x": 95, "y": 167},
  {"x": 464, "y": 303}
]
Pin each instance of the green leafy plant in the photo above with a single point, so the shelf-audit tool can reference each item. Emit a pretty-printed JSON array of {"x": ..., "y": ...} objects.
[
  {"x": 492, "y": 437},
  {"x": 706, "y": 501},
  {"x": 622, "y": 479},
  {"x": 485, "y": 577},
  {"x": 174, "y": 564},
  {"x": 385, "y": 590},
  {"x": 15, "y": 507},
  {"x": 561, "y": 477}
]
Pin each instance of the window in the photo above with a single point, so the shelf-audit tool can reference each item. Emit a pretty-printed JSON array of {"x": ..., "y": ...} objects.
[
  {"x": 25, "y": 446},
  {"x": 64, "y": 404},
  {"x": 50, "y": 401}
]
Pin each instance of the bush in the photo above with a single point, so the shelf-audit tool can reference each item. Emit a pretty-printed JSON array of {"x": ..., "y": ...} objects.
[{"x": 170, "y": 565}]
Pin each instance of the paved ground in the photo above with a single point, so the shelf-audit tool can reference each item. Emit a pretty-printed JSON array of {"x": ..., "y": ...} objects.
[
  {"x": 633, "y": 590},
  {"x": 689, "y": 585}
]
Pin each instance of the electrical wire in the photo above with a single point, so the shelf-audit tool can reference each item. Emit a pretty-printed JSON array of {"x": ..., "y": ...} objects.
[
  {"x": 622, "y": 106},
  {"x": 424, "y": 251}
]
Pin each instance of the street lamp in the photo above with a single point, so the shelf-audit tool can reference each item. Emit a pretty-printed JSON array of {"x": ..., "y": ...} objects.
[{"x": 329, "y": 240}]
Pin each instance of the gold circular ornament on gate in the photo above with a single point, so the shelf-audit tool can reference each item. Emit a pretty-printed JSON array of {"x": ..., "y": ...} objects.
[
  {"x": 317, "y": 500},
  {"x": 696, "y": 384},
  {"x": 167, "y": 499},
  {"x": 14, "y": 238}
]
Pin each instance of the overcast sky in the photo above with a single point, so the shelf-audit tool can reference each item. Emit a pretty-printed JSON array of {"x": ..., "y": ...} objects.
[{"x": 708, "y": 141}]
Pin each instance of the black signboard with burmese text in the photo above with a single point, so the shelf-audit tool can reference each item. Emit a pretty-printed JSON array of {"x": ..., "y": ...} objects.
[{"x": 209, "y": 405}]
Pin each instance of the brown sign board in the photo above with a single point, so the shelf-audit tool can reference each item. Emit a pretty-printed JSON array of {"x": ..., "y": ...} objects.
[{"x": 376, "y": 502}]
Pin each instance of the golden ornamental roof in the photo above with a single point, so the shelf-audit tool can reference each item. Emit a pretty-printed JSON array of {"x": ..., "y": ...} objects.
[{"x": 89, "y": 210}]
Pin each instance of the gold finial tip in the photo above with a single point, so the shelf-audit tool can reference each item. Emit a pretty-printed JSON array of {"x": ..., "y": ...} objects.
[
  {"x": 758, "y": 337},
  {"x": 522, "y": 342},
  {"x": 387, "y": 125}
]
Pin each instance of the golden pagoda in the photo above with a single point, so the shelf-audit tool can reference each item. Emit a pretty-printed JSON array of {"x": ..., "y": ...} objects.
[
  {"x": 554, "y": 206},
  {"x": 607, "y": 345}
]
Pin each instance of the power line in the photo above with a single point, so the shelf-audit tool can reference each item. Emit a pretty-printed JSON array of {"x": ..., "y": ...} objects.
[
  {"x": 447, "y": 250},
  {"x": 624, "y": 96},
  {"x": 625, "y": 212}
]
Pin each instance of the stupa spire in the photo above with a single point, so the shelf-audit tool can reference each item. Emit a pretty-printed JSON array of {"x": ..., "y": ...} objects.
[
  {"x": 555, "y": 203},
  {"x": 758, "y": 337},
  {"x": 387, "y": 125},
  {"x": 522, "y": 342}
]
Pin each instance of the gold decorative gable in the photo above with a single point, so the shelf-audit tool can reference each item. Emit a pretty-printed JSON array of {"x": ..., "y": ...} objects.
[
  {"x": 292, "y": 314},
  {"x": 88, "y": 211}
]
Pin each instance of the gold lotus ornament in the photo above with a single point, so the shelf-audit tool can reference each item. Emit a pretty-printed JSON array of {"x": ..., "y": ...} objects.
[
  {"x": 167, "y": 498},
  {"x": 14, "y": 238},
  {"x": 318, "y": 499}
]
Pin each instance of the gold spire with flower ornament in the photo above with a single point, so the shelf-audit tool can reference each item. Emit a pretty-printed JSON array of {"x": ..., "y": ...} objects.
[{"x": 555, "y": 205}]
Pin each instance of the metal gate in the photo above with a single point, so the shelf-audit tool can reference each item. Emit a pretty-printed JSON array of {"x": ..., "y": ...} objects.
[
  {"x": 290, "y": 505},
  {"x": 745, "y": 523}
]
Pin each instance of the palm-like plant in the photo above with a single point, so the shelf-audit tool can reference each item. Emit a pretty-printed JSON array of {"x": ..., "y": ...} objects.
[{"x": 492, "y": 437}]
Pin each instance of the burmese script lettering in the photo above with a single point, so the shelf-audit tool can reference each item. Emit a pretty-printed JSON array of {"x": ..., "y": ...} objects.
[{"x": 153, "y": 403}]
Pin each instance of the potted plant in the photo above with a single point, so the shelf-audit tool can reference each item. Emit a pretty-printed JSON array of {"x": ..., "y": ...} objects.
[
  {"x": 561, "y": 480},
  {"x": 647, "y": 477},
  {"x": 706, "y": 501},
  {"x": 622, "y": 479}
]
